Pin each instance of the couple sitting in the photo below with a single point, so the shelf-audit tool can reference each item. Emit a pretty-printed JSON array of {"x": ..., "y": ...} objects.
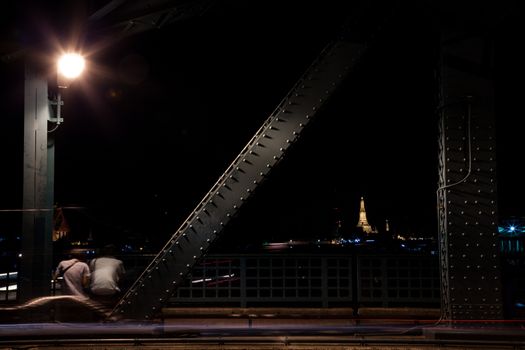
[{"x": 99, "y": 280}]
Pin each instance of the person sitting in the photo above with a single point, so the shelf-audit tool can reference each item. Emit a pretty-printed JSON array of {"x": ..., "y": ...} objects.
[
  {"x": 75, "y": 273},
  {"x": 106, "y": 273}
]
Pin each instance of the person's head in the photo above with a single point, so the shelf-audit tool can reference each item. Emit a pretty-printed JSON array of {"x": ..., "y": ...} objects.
[
  {"x": 77, "y": 254},
  {"x": 108, "y": 250}
]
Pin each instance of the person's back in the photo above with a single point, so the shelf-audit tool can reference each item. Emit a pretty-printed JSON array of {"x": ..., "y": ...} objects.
[
  {"x": 106, "y": 273},
  {"x": 76, "y": 276}
]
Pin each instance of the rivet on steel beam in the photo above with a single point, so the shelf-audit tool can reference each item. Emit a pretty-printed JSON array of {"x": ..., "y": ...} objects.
[
  {"x": 248, "y": 190},
  {"x": 301, "y": 125},
  {"x": 254, "y": 153},
  {"x": 246, "y": 161},
  {"x": 180, "y": 273},
  {"x": 177, "y": 243},
  {"x": 307, "y": 116},
  {"x": 187, "y": 265},
  {"x": 267, "y": 136},
  {"x": 228, "y": 214},
  {"x": 221, "y": 223},
  {"x": 201, "y": 248},
  {"x": 208, "y": 240}
]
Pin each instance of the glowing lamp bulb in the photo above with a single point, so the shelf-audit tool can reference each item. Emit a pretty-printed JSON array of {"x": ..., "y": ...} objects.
[{"x": 71, "y": 65}]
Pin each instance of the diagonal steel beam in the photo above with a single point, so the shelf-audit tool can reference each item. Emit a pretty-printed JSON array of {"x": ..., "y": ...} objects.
[{"x": 254, "y": 163}]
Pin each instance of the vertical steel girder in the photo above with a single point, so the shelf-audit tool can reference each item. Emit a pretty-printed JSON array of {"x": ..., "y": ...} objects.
[
  {"x": 267, "y": 147},
  {"x": 36, "y": 263},
  {"x": 467, "y": 197}
]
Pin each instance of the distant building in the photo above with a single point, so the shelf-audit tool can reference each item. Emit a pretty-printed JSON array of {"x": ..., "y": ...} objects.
[
  {"x": 363, "y": 222},
  {"x": 61, "y": 228}
]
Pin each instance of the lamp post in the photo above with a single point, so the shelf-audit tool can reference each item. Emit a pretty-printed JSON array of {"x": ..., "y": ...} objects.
[{"x": 38, "y": 175}]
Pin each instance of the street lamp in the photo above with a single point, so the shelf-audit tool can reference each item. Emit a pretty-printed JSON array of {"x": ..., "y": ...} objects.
[
  {"x": 69, "y": 67},
  {"x": 38, "y": 188}
]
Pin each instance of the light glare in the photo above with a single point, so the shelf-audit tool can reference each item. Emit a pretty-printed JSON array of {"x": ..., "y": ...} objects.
[{"x": 71, "y": 65}]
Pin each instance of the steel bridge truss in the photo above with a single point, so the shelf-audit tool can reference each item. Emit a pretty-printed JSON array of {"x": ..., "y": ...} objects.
[{"x": 467, "y": 210}]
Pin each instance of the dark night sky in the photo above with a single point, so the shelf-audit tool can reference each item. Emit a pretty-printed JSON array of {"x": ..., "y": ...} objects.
[{"x": 163, "y": 113}]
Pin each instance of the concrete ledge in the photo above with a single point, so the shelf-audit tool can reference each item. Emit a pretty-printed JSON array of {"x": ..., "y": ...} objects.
[
  {"x": 402, "y": 312},
  {"x": 348, "y": 313}
]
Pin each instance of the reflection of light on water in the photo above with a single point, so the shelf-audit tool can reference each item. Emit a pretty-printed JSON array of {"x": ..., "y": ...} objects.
[
  {"x": 8, "y": 275},
  {"x": 220, "y": 278},
  {"x": 9, "y": 288}
]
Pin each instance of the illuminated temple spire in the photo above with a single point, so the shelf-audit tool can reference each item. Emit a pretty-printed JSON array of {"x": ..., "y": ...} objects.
[{"x": 363, "y": 222}]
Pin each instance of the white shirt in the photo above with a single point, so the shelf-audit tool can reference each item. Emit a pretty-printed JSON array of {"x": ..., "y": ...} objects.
[{"x": 106, "y": 273}]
